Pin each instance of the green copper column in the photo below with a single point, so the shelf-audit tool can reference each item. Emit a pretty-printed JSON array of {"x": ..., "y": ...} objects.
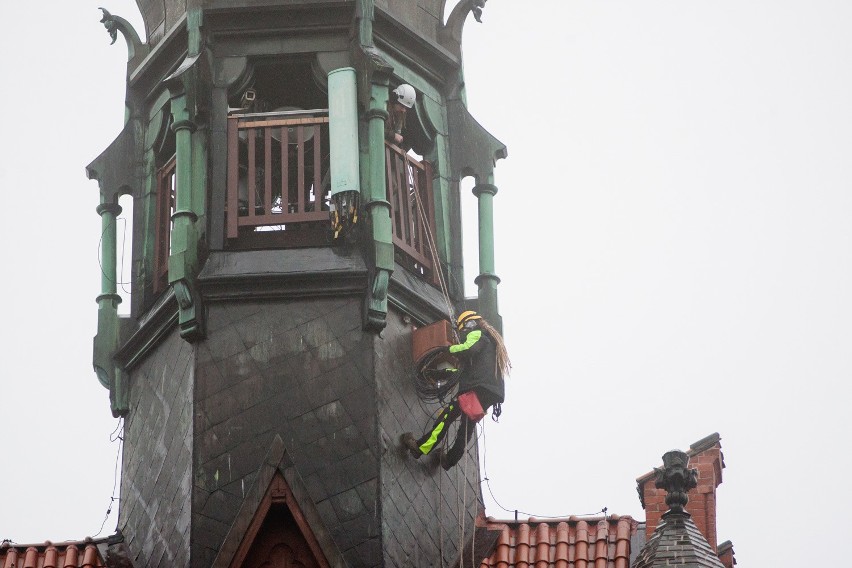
[
  {"x": 107, "y": 338},
  {"x": 183, "y": 260},
  {"x": 487, "y": 280},
  {"x": 184, "y": 85},
  {"x": 378, "y": 206}
]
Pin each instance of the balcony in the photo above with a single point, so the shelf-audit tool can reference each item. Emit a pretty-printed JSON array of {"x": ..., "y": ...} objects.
[
  {"x": 409, "y": 186},
  {"x": 278, "y": 188},
  {"x": 278, "y": 179}
]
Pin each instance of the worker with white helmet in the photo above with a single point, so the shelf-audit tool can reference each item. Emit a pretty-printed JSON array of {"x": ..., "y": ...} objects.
[{"x": 403, "y": 98}]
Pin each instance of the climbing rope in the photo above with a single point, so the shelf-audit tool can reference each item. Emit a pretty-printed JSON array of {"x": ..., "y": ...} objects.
[
  {"x": 441, "y": 517},
  {"x": 433, "y": 251},
  {"x": 430, "y": 387},
  {"x": 434, "y": 385},
  {"x": 462, "y": 515}
]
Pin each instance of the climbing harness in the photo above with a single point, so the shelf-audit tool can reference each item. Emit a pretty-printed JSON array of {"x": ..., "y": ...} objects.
[{"x": 496, "y": 411}]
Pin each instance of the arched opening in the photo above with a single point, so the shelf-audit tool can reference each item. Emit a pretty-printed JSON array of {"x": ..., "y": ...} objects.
[
  {"x": 470, "y": 234},
  {"x": 124, "y": 254}
]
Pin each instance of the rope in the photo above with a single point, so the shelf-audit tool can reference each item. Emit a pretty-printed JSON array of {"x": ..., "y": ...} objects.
[
  {"x": 462, "y": 512},
  {"x": 473, "y": 529},
  {"x": 433, "y": 250},
  {"x": 432, "y": 385},
  {"x": 441, "y": 517}
]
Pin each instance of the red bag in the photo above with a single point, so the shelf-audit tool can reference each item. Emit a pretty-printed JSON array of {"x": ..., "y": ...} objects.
[{"x": 470, "y": 405}]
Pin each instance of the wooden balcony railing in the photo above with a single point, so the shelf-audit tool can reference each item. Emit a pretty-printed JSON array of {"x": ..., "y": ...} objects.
[
  {"x": 409, "y": 183},
  {"x": 277, "y": 170},
  {"x": 278, "y": 180}
]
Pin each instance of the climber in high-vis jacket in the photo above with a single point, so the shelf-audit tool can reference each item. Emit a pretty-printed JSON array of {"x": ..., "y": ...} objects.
[{"x": 484, "y": 363}]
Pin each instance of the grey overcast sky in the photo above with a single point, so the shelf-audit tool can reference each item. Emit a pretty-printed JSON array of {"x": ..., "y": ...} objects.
[{"x": 673, "y": 237}]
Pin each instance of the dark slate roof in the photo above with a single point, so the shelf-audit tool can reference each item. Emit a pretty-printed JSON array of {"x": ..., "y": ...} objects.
[{"x": 677, "y": 541}]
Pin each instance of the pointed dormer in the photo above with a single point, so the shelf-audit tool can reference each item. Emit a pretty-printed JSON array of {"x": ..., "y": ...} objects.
[{"x": 278, "y": 524}]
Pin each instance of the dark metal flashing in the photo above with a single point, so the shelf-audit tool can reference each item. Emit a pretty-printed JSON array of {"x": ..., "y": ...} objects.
[
  {"x": 281, "y": 273},
  {"x": 278, "y": 29},
  {"x": 154, "y": 67},
  {"x": 153, "y": 326},
  {"x": 413, "y": 296},
  {"x": 272, "y": 44},
  {"x": 261, "y": 5}
]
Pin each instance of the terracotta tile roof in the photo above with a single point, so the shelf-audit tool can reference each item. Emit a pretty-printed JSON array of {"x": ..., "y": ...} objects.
[
  {"x": 572, "y": 542},
  {"x": 76, "y": 554}
]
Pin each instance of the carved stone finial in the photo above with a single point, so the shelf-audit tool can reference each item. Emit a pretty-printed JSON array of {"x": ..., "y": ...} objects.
[{"x": 676, "y": 479}]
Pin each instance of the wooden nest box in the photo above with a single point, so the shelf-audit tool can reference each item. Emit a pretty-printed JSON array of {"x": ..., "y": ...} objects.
[{"x": 425, "y": 340}]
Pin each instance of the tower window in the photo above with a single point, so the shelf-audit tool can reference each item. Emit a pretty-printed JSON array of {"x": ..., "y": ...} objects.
[{"x": 165, "y": 209}]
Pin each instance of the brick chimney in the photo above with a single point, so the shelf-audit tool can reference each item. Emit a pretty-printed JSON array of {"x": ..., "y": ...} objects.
[{"x": 706, "y": 456}]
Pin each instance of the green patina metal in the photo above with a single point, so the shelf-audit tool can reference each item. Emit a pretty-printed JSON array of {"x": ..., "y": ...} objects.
[
  {"x": 343, "y": 130},
  {"x": 487, "y": 280},
  {"x": 378, "y": 206},
  {"x": 178, "y": 88},
  {"x": 373, "y": 171},
  {"x": 474, "y": 152},
  {"x": 108, "y": 335},
  {"x": 191, "y": 167},
  {"x": 183, "y": 259},
  {"x": 136, "y": 50}
]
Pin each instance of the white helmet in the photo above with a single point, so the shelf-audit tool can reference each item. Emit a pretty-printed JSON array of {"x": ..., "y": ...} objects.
[{"x": 406, "y": 95}]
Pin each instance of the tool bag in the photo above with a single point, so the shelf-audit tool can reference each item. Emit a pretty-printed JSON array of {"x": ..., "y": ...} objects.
[{"x": 470, "y": 405}]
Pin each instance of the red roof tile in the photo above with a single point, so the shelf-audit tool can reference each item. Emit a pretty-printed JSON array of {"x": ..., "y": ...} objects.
[
  {"x": 572, "y": 542},
  {"x": 71, "y": 554}
]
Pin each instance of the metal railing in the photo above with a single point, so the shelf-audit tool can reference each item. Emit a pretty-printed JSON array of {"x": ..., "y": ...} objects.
[{"x": 277, "y": 170}]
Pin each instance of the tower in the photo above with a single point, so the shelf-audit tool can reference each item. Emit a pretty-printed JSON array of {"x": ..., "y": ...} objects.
[{"x": 284, "y": 250}]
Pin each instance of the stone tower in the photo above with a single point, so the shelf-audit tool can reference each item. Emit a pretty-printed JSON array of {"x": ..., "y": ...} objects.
[{"x": 284, "y": 250}]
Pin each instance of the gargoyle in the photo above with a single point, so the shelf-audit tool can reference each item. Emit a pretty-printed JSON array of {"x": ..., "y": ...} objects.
[
  {"x": 115, "y": 24},
  {"x": 455, "y": 23},
  {"x": 478, "y": 5}
]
